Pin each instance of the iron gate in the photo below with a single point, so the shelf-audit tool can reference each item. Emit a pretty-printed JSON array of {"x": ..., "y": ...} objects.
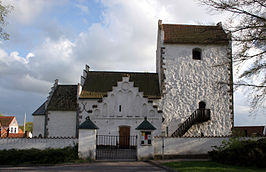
[{"x": 116, "y": 147}]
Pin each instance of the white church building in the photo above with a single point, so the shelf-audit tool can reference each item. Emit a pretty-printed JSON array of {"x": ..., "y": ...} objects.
[{"x": 190, "y": 95}]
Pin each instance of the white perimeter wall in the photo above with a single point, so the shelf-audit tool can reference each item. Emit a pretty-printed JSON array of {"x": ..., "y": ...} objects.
[
  {"x": 61, "y": 124},
  {"x": 24, "y": 143},
  {"x": 190, "y": 81},
  {"x": 186, "y": 146},
  {"x": 38, "y": 125}
]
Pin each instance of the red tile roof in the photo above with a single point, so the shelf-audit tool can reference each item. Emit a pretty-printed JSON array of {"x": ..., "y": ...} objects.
[
  {"x": 194, "y": 34},
  {"x": 6, "y": 120},
  {"x": 13, "y": 135},
  {"x": 248, "y": 130}
]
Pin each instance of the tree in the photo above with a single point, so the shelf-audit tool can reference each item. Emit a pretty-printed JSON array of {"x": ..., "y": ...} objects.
[
  {"x": 4, "y": 10},
  {"x": 247, "y": 25},
  {"x": 28, "y": 127}
]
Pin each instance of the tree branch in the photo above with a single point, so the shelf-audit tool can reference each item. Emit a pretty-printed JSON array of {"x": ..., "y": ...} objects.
[{"x": 243, "y": 84}]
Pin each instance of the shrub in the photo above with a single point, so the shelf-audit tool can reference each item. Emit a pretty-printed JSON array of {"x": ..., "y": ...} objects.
[
  {"x": 241, "y": 152},
  {"x": 36, "y": 156}
]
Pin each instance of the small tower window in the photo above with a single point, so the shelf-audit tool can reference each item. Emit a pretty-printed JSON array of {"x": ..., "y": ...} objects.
[
  {"x": 196, "y": 54},
  {"x": 202, "y": 105},
  {"x": 120, "y": 108}
]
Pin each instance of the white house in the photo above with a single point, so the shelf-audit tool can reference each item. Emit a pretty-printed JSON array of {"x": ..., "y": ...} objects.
[
  {"x": 58, "y": 116},
  {"x": 8, "y": 123},
  {"x": 189, "y": 95}
]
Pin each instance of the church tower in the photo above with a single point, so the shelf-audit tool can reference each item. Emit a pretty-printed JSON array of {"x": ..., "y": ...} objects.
[{"x": 194, "y": 63}]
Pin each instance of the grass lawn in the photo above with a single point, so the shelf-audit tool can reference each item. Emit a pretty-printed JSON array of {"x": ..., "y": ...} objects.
[{"x": 208, "y": 166}]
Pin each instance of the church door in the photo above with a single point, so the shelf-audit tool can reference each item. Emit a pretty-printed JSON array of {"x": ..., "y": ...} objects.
[{"x": 124, "y": 136}]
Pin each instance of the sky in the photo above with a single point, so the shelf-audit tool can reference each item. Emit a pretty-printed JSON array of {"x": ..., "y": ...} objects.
[{"x": 55, "y": 39}]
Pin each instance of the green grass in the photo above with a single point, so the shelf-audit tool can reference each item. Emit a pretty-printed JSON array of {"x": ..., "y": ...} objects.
[{"x": 208, "y": 166}]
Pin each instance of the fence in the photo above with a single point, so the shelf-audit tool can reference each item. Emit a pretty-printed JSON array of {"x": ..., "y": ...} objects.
[{"x": 116, "y": 147}]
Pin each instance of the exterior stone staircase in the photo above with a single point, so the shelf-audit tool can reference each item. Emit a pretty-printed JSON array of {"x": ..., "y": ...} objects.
[{"x": 198, "y": 116}]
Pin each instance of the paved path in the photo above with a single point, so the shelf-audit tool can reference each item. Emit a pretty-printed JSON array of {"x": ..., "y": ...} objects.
[{"x": 92, "y": 167}]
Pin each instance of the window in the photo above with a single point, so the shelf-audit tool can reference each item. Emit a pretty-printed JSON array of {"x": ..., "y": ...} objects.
[
  {"x": 146, "y": 138},
  {"x": 196, "y": 54},
  {"x": 120, "y": 108},
  {"x": 15, "y": 130},
  {"x": 11, "y": 131},
  {"x": 202, "y": 105}
]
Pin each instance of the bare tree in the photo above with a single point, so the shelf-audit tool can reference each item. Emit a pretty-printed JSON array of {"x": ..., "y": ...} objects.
[
  {"x": 4, "y": 10},
  {"x": 247, "y": 24}
]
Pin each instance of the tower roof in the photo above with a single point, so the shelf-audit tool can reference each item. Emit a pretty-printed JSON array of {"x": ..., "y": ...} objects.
[{"x": 194, "y": 34}]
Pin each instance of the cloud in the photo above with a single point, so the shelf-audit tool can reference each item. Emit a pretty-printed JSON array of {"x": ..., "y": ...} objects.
[
  {"x": 15, "y": 73},
  {"x": 27, "y": 11},
  {"x": 83, "y": 8}
]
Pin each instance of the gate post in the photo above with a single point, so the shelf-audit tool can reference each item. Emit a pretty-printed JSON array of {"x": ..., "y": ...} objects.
[
  {"x": 145, "y": 147},
  {"x": 87, "y": 140}
]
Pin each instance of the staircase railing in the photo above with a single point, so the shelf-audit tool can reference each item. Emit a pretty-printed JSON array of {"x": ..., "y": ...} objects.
[{"x": 198, "y": 116}]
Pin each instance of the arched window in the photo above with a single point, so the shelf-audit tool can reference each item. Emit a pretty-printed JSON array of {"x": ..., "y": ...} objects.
[
  {"x": 196, "y": 54},
  {"x": 202, "y": 105},
  {"x": 120, "y": 108}
]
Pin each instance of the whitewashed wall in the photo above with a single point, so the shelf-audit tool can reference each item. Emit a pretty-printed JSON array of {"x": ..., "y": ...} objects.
[
  {"x": 186, "y": 146},
  {"x": 38, "y": 143},
  {"x": 145, "y": 152},
  {"x": 188, "y": 81},
  {"x": 61, "y": 124},
  {"x": 38, "y": 125},
  {"x": 133, "y": 110},
  {"x": 87, "y": 144}
]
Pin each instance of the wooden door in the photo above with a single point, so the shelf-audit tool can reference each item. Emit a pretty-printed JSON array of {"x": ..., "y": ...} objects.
[{"x": 124, "y": 136}]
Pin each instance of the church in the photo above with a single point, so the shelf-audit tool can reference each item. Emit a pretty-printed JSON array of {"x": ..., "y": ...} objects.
[{"x": 190, "y": 95}]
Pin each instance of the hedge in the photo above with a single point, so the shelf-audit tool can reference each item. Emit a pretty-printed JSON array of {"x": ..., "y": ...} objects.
[
  {"x": 241, "y": 152},
  {"x": 37, "y": 156}
]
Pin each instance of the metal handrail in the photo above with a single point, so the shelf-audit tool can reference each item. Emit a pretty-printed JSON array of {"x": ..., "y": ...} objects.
[{"x": 198, "y": 116}]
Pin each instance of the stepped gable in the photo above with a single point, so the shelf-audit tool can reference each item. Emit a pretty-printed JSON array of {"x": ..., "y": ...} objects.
[
  {"x": 98, "y": 83},
  {"x": 194, "y": 34},
  {"x": 64, "y": 98}
]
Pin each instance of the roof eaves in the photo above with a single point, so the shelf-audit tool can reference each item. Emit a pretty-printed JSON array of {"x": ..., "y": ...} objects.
[
  {"x": 88, "y": 124},
  {"x": 145, "y": 125},
  {"x": 41, "y": 110}
]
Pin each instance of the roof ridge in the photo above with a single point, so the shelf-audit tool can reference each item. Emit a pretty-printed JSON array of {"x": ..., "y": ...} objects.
[
  {"x": 6, "y": 116},
  {"x": 67, "y": 84},
  {"x": 122, "y": 72},
  {"x": 192, "y": 25}
]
